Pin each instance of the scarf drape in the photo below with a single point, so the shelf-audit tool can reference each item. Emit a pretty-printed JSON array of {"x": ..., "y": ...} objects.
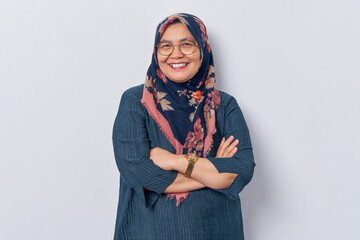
[{"x": 185, "y": 112}]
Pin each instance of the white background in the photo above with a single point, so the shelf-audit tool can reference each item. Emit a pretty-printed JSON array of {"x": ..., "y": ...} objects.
[{"x": 292, "y": 65}]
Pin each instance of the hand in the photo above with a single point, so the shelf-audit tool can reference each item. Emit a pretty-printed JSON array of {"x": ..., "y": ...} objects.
[
  {"x": 162, "y": 158},
  {"x": 227, "y": 149}
]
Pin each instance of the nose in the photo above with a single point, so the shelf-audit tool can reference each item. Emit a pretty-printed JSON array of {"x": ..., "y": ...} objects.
[{"x": 176, "y": 53}]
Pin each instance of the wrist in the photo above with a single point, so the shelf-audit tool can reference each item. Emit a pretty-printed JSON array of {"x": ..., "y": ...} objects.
[
  {"x": 180, "y": 163},
  {"x": 192, "y": 159}
]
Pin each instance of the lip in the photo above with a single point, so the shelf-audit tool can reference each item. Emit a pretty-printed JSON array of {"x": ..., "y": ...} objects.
[{"x": 180, "y": 67}]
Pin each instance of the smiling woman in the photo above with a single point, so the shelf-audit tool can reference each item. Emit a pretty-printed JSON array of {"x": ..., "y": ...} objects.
[
  {"x": 182, "y": 147},
  {"x": 179, "y": 63}
]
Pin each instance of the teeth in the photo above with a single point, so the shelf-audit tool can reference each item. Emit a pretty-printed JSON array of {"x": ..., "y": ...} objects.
[{"x": 178, "y": 65}]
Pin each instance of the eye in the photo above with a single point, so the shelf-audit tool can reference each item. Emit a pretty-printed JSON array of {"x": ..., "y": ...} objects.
[
  {"x": 165, "y": 45},
  {"x": 187, "y": 44}
]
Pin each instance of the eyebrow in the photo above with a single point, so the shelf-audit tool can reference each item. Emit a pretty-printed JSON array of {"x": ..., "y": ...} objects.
[{"x": 186, "y": 38}]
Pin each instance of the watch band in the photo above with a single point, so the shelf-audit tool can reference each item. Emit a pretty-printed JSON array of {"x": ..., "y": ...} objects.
[{"x": 191, "y": 163}]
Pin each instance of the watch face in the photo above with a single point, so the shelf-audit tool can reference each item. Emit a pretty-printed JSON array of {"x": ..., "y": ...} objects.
[{"x": 194, "y": 157}]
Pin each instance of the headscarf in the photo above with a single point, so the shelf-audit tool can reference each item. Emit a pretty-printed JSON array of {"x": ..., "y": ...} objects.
[{"x": 185, "y": 112}]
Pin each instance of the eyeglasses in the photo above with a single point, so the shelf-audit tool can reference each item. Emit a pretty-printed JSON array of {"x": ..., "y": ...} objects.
[{"x": 186, "y": 47}]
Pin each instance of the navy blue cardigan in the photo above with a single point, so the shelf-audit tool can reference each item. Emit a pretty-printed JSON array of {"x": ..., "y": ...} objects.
[{"x": 206, "y": 213}]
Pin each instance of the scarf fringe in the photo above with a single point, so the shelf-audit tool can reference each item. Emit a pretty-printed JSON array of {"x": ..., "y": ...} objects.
[
  {"x": 179, "y": 197},
  {"x": 157, "y": 121},
  {"x": 206, "y": 152},
  {"x": 178, "y": 147}
]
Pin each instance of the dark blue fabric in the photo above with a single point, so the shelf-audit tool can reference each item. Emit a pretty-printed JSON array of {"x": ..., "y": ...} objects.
[
  {"x": 179, "y": 118},
  {"x": 206, "y": 213}
]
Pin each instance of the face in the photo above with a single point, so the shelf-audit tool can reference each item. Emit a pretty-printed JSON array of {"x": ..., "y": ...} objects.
[{"x": 179, "y": 67}]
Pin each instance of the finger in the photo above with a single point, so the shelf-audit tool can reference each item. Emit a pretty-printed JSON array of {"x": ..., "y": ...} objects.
[
  {"x": 232, "y": 153},
  {"x": 231, "y": 147},
  {"x": 233, "y": 144},
  {"x": 222, "y": 141},
  {"x": 228, "y": 141},
  {"x": 220, "y": 148}
]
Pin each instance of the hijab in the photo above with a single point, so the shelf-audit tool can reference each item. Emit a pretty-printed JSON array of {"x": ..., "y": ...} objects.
[{"x": 185, "y": 112}]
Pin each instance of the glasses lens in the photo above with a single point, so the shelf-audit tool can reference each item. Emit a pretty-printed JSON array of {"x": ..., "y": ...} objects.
[
  {"x": 187, "y": 47},
  {"x": 165, "y": 48}
]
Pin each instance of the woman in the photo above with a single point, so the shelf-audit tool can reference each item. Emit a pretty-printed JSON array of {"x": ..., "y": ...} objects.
[{"x": 182, "y": 147}]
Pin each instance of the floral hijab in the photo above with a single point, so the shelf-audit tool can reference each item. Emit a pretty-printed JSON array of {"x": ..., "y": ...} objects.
[{"x": 185, "y": 112}]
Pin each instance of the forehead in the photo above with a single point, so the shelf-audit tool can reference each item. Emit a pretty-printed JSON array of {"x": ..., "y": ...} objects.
[{"x": 176, "y": 32}]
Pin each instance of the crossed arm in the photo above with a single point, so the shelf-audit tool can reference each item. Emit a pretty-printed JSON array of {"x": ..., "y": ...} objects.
[
  {"x": 204, "y": 173},
  {"x": 165, "y": 173}
]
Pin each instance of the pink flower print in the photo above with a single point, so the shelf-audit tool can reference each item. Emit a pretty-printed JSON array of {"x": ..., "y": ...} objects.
[
  {"x": 199, "y": 131},
  {"x": 195, "y": 140},
  {"x": 161, "y": 75},
  {"x": 156, "y": 95},
  {"x": 209, "y": 82},
  {"x": 199, "y": 146},
  {"x": 182, "y": 92},
  {"x": 190, "y": 141},
  {"x": 202, "y": 26},
  {"x": 162, "y": 28},
  {"x": 179, "y": 17},
  {"x": 216, "y": 98},
  {"x": 197, "y": 95},
  {"x": 206, "y": 107},
  {"x": 200, "y": 84},
  {"x": 171, "y": 19},
  {"x": 204, "y": 36}
]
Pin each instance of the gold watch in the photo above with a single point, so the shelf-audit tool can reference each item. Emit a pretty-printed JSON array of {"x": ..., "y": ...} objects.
[{"x": 191, "y": 163}]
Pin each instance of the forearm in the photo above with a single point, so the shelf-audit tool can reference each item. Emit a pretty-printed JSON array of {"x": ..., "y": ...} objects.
[
  {"x": 183, "y": 184},
  {"x": 205, "y": 172}
]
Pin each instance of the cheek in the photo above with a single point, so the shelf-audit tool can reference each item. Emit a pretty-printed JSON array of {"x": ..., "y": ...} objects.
[
  {"x": 161, "y": 59},
  {"x": 198, "y": 60},
  {"x": 161, "y": 63}
]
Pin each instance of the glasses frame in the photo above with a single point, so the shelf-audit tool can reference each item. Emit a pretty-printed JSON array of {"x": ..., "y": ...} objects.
[{"x": 173, "y": 47}]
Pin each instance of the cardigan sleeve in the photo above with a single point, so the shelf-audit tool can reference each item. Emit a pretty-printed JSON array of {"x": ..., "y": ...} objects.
[
  {"x": 242, "y": 163},
  {"x": 132, "y": 150}
]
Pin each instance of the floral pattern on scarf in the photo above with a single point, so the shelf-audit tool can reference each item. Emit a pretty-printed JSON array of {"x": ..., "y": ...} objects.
[{"x": 185, "y": 112}]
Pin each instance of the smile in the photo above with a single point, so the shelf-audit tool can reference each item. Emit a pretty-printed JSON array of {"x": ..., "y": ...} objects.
[{"x": 178, "y": 65}]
